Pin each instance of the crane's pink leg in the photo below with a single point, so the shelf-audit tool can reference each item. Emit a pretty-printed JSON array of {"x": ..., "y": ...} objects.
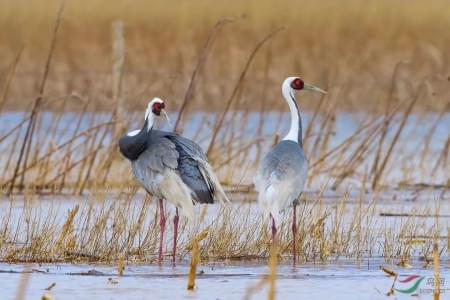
[
  {"x": 294, "y": 233},
  {"x": 175, "y": 235},
  {"x": 162, "y": 226},
  {"x": 274, "y": 230}
]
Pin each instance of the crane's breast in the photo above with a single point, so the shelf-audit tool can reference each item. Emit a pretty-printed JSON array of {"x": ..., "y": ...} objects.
[
  {"x": 284, "y": 165},
  {"x": 132, "y": 146},
  {"x": 150, "y": 179}
]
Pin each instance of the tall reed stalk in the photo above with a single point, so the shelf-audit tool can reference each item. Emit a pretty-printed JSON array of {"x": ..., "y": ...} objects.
[{"x": 27, "y": 140}]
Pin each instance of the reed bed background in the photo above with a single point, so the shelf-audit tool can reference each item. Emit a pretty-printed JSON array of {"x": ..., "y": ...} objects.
[
  {"x": 382, "y": 58},
  {"x": 350, "y": 47}
]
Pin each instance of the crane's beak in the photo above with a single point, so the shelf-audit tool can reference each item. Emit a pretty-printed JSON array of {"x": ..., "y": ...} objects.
[
  {"x": 310, "y": 87},
  {"x": 167, "y": 116}
]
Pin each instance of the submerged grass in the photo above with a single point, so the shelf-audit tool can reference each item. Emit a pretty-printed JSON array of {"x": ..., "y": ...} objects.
[{"x": 124, "y": 229}]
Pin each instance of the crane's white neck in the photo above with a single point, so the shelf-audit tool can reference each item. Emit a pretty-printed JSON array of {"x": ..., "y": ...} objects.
[
  {"x": 295, "y": 132},
  {"x": 149, "y": 119}
]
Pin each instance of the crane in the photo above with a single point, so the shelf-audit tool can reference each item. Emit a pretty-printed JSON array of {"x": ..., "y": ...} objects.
[
  {"x": 170, "y": 167},
  {"x": 282, "y": 174}
]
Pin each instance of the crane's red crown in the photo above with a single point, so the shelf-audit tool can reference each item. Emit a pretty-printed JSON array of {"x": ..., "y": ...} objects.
[
  {"x": 157, "y": 107},
  {"x": 297, "y": 84}
]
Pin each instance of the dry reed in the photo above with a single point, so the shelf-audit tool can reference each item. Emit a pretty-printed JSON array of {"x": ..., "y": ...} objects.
[
  {"x": 27, "y": 140},
  {"x": 272, "y": 270},
  {"x": 124, "y": 229},
  {"x": 63, "y": 161}
]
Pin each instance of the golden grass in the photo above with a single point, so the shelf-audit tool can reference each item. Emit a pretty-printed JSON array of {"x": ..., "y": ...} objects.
[
  {"x": 437, "y": 278},
  {"x": 124, "y": 230},
  {"x": 193, "y": 246},
  {"x": 273, "y": 259},
  {"x": 393, "y": 274}
]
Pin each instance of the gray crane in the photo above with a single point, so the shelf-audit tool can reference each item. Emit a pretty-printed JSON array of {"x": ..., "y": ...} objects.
[
  {"x": 282, "y": 173},
  {"x": 170, "y": 167}
]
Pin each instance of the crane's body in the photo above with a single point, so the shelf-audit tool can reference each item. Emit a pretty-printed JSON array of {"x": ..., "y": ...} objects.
[
  {"x": 170, "y": 167},
  {"x": 175, "y": 168},
  {"x": 281, "y": 178},
  {"x": 283, "y": 171}
]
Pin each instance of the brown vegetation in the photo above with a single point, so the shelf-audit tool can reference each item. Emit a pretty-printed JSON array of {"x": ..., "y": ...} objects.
[
  {"x": 350, "y": 47},
  {"x": 102, "y": 229}
]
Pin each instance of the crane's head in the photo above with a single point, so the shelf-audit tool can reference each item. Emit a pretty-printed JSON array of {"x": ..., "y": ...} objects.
[
  {"x": 297, "y": 84},
  {"x": 155, "y": 107}
]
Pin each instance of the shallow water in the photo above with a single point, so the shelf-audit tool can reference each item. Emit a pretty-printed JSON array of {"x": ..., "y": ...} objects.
[
  {"x": 407, "y": 154},
  {"x": 338, "y": 279},
  {"x": 219, "y": 281}
]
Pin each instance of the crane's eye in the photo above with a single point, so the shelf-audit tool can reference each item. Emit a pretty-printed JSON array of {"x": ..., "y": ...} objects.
[
  {"x": 156, "y": 108},
  {"x": 297, "y": 84}
]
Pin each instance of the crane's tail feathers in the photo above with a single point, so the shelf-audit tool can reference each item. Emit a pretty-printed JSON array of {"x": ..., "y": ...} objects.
[
  {"x": 174, "y": 190},
  {"x": 213, "y": 182},
  {"x": 268, "y": 205}
]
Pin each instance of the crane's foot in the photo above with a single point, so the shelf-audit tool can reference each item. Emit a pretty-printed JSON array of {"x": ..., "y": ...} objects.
[
  {"x": 162, "y": 226},
  {"x": 175, "y": 236}
]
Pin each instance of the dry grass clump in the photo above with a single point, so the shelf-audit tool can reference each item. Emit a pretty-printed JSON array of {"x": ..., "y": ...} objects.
[{"x": 109, "y": 230}]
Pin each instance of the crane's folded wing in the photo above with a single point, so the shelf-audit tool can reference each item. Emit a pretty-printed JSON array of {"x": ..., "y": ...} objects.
[{"x": 161, "y": 153}]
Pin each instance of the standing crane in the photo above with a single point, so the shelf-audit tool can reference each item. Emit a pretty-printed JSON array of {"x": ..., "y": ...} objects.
[
  {"x": 170, "y": 167},
  {"x": 282, "y": 173}
]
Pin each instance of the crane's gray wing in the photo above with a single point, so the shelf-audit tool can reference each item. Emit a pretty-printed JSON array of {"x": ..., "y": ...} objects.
[
  {"x": 169, "y": 150},
  {"x": 196, "y": 172},
  {"x": 160, "y": 153},
  {"x": 189, "y": 146},
  {"x": 285, "y": 162},
  {"x": 281, "y": 177}
]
